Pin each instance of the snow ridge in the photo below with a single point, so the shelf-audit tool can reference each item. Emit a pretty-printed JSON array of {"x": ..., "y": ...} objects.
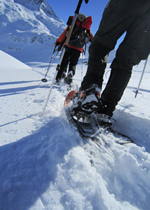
[{"x": 26, "y": 25}]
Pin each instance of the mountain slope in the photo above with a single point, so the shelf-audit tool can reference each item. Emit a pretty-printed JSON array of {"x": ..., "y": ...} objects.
[{"x": 28, "y": 26}]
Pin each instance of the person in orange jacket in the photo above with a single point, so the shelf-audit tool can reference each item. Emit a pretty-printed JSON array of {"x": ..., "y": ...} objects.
[{"x": 80, "y": 36}]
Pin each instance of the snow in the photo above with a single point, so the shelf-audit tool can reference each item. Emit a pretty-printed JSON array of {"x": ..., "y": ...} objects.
[
  {"x": 46, "y": 165},
  {"x": 26, "y": 25},
  {"x": 6, "y": 60}
]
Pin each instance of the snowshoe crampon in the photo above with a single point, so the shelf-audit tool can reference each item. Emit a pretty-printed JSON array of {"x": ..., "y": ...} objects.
[{"x": 89, "y": 125}]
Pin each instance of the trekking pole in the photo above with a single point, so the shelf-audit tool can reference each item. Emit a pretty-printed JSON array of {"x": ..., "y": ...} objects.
[
  {"x": 136, "y": 92},
  {"x": 64, "y": 49},
  {"x": 44, "y": 79},
  {"x": 82, "y": 68}
]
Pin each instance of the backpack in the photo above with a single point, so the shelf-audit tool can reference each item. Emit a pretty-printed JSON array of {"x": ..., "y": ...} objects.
[{"x": 80, "y": 36}]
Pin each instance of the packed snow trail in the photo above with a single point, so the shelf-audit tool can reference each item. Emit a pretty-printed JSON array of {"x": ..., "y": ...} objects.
[{"x": 45, "y": 164}]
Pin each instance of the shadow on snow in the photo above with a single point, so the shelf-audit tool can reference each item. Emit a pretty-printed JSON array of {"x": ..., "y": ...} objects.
[
  {"x": 18, "y": 90},
  {"x": 135, "y": 127},
  {"x": 29, "y": 165}
]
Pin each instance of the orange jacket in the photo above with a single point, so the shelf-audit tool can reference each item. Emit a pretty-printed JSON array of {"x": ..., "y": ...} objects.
[{"x": 85, "y": 24}]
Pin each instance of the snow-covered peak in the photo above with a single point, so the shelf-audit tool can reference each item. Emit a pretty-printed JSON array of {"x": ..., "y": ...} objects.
[
  {"x": 26, "y": 24},
  {"x": 37, "y": 5}
]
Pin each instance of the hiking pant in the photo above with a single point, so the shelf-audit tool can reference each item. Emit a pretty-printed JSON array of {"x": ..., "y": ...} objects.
[
  {"x": 71, "y": 57},
  {"x": 132, "y": 17}
]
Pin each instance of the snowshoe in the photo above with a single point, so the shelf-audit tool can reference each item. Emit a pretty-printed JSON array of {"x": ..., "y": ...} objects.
[{"x": 90, "y": 125}]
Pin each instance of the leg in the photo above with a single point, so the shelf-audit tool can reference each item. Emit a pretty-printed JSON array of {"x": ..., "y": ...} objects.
[
  {"x": 75, "y": 54},
  {"x": 134, "y": 48},
  {"x": 96, "y": 65},
  {"x": 117, "y": 18},
  {"x": 63, "y": 67}
]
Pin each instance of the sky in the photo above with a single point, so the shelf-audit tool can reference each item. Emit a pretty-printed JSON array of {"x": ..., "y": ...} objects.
[{"x": 94, "y": 8}]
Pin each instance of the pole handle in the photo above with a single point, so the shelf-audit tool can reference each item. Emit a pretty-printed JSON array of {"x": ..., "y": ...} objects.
[{"x": 78, "y": 7}]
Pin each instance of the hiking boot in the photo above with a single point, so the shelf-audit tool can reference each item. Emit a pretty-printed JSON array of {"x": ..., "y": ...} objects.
[
  {"x": 106, "y": 108},
  {"x": 57, "y": 82},
  {"x": 87, "y": 101},
  {"x": 63, "y": 75},
  {"x": 104, "y": 120},
  {"x": 59, "y": 78},
  {"x": 69, "y": 77},
  {"x": 105, "y": 113}
]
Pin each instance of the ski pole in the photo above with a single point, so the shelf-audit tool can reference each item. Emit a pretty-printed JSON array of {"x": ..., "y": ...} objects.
[
  {"x": 82, "y": 68},
  {"x": 136, "y": 92},
  {"x": 52, "y": 58},
  {"x": 64, "y": 49},
  {"x": 44, "y": 108}
]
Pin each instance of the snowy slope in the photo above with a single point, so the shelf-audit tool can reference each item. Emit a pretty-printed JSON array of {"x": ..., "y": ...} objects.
[
  {"x": 28, "y": 28},
  {"x": 6, "y": 60},
  {"x": 46, "y": 165}
]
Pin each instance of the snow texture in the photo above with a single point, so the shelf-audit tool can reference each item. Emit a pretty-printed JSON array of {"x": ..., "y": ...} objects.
[
  {"x": 45, "y": 164},
  {"x": 28, "y": 27}
]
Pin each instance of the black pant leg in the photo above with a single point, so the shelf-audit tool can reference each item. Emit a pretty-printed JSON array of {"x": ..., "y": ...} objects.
[
  {"x": 64, "y": 64},
  {"x": 74, "y": 57},
  {"x": 96, "y": 65}
]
